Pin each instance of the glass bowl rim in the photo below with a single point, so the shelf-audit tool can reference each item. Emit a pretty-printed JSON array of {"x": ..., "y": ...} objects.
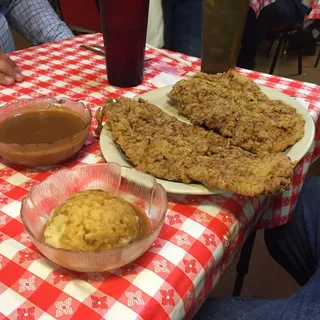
[
  {"x": 159, "y": 224},
  {"x": 54, "y": 101}
]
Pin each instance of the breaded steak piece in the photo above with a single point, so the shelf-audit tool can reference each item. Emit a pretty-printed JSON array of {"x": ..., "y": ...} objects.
[
  {"x": 235, "y": 107},
  {"x": 161, "y": 145}
]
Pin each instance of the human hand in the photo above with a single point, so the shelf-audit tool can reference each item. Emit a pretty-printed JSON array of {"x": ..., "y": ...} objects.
[{"x": 9, "y": 72}]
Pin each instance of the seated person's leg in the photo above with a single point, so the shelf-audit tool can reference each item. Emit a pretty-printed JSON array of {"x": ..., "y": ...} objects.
[
  {"x": 302, "y": 305},
  {"x": 249, "y": 42},
  {"x": 296, "y": 246},
  {"x": 293, "y": 11},
  {"x": 279, "y": 13},
  {"x": 238, "y": 309},
  {"x": 37, "y": 21},
  {"x": 255, "y": 32}
]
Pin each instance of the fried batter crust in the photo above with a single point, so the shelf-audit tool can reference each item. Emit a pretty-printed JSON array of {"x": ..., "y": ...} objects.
[
  {"x": 161, "y": 145},
  {"x": 235, "y": 107}
]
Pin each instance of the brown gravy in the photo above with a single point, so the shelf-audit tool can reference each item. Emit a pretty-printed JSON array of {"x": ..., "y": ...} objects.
[
  {"x": 145, "y": 226},
  {"x": 45, "y": 126}
]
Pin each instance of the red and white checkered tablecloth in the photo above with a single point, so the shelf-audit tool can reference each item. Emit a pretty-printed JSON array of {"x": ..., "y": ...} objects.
[
  {"x": 200, "y": 236},
  {"x": 258, "y": 5},
  {"x": 315, "y": 12}
]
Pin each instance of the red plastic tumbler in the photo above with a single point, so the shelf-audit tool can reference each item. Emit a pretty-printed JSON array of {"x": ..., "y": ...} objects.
[{"x": 124, "y": 27}]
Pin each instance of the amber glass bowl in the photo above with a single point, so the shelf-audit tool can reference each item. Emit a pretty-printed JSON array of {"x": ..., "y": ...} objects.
[
  {"x": 44, "y": 154},
  {"x": 136, "y": 187}
]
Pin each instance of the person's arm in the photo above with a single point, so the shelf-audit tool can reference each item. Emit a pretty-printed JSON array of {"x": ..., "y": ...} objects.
[
  {"x": 9, "y": 72},
  {"x": 37, "y": 21}
]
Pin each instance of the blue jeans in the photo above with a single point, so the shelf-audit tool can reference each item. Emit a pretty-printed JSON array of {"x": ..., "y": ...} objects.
[
  {"x": 182, "y": 26},
  {"x": 296, "y": 247},
  {"x": 279, "y": 13},
  {"x": 183, "y": 20}
]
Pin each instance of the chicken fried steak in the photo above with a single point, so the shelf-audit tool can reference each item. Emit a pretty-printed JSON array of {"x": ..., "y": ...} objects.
[
  {"x": 161, "y": 145},
  {"x": 236, "y": 108}
]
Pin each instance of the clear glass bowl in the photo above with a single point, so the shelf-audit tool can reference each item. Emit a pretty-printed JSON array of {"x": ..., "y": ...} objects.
[
  {"x": 43, "y": 154},
  {"x": 131, "y": 185}
]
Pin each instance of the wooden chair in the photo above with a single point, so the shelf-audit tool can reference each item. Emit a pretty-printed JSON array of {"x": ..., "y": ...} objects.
[
  {"x": 72, "y": 12},
  {"x": 318, "y": 56},
  {"x": 243, "y": 263}
]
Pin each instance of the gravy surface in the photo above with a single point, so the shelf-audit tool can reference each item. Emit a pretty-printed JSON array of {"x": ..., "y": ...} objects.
[
  {"x": 45, "y": 126},
  {"x": 145, "y": 226}
]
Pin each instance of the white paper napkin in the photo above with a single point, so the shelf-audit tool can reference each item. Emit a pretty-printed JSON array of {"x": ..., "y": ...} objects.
[{"x": 165, "y": 79}]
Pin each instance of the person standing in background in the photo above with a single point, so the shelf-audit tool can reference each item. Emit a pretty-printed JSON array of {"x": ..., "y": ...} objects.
[
  {"x": 183, "y": 23},
  {"x": 182, "y": 26}
]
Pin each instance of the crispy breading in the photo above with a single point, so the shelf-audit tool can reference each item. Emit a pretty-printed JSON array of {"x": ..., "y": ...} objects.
[
  {"x": 161, "y": 145},
  {"x": 235, "y": 107}
]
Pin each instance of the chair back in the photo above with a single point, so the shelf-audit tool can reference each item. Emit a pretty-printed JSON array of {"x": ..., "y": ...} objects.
[{"x": 81, "y": 13}]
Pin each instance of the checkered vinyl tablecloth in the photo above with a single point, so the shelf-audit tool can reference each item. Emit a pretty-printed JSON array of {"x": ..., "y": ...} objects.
[
  {"x": 258, "y": 5},
  {"x": 200, "y": 236},
  {"x": 315, "y": 12}
]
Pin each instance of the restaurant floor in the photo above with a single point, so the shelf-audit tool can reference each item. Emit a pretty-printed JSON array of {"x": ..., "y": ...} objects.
[{"x": 266, "y": 278}]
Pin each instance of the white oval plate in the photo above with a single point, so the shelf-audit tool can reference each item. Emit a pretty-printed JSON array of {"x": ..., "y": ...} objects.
[{"x": 158, "y": 97}]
